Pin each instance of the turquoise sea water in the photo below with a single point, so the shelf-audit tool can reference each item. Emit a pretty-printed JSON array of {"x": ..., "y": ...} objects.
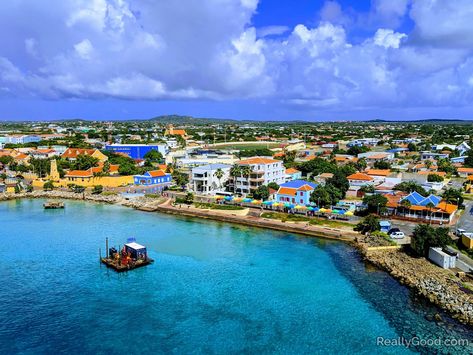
[{"x": 214, "y": 288}]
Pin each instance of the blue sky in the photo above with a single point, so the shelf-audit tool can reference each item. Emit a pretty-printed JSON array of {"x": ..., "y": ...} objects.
[{"x": 245, "y": 59}]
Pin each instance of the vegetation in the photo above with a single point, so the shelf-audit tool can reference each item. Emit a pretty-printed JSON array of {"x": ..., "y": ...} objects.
[
  {"x": 369, "y": 224},
  {"x": 97, "y": 190},
  {"x": 48, "y": 186},
  {"x": 453, "y": 196},
  {"x": 410, "y": 186},
  {"x": 376, "y": 203},
  {"x": 261, "y": 193},
  {"x": 434, "y": 178},
  {"x": 426, "y": 236}
]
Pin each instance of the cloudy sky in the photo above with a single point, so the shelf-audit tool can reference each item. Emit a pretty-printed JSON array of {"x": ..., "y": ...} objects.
[{"x": 246, "y": 59}]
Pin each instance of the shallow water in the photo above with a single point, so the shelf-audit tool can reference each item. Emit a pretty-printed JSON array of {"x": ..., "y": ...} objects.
[{"x": 214, "y": 288}]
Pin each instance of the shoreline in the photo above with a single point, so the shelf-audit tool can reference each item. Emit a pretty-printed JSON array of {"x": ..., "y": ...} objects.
[{"x": 441, "y": 287}]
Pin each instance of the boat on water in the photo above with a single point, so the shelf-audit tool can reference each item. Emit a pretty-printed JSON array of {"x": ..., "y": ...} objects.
[
  {"x": 131, "y": 256},
  {"x": 53, "y": 205}
]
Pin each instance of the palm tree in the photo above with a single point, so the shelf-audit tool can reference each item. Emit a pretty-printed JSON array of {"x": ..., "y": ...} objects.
[
  {"x": 430, "y": 205},
  {"x": 406, "y": 204},
  {"x": 246, "y": 171},
  {"x": 235, "y": 171},
  {"x": 219, "y": 175}
]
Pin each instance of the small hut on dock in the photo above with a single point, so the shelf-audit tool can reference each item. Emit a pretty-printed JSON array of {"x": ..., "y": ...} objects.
[{"x": 131, "y": 256}]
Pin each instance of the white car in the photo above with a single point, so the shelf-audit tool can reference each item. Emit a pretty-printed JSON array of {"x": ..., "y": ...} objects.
[{"x": 397, "y": 235}]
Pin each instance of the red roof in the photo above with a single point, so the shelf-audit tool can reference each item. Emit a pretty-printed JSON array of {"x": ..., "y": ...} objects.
[
  {"x": 74, "y": 152},
  {"x": 359, "y": 176}
]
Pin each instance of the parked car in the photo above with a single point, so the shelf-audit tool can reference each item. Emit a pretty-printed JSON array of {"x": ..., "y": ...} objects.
[
  {"x": 393, "y": 230},
  {"x": 397, "y": 235},
  {"x": 459, "y": 232}
]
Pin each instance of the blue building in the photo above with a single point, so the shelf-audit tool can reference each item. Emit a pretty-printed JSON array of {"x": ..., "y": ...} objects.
[
  {"x": 295, "y": 192},
  {"x": 157, "y": 180},
  {"x": 137, "y": 151}
]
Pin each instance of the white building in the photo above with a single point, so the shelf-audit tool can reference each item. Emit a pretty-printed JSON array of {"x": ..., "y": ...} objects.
[
  {"x": 205, "y": 180},
  {"x": 263, "y": 171}
]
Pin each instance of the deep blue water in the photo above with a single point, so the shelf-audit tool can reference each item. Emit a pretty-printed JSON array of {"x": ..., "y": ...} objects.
[{"x": 214, "y": 288}]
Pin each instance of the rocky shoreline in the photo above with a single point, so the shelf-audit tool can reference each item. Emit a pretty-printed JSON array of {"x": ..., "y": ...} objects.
[{"x": 439, "y": 286}]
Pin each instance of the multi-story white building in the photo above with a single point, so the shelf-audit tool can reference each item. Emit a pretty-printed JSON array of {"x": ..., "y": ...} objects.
[
  {"x": 206, "y": 180},
  {"x": 263, "y": 171}
]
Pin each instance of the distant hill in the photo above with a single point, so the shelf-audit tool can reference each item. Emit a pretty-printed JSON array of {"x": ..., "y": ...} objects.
[
  {"x": 426, "y": 121},
  {"x": 177, "y": 119}
]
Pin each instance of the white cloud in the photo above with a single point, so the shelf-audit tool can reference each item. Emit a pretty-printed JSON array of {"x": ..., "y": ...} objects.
[
  {"x": 388, "y": 38},
  {"x": 84, "y": 49},
  {"x": 208, "y": 49}
]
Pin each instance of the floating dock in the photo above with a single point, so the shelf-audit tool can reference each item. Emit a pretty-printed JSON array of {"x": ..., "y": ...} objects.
[
  {"x": 53, "y": 205},
  {"x": 131, "y": 256}
]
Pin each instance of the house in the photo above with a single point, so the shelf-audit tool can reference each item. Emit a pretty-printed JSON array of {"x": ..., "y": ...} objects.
[
  {"x": 154, "y": 178},
  {"x": 360, "y": 179},
  {"x": 3, "y": 188},
  {"x": 322, "y": 178},
  {"x": 464, "y": 172},
  {"x": 44, "y": 153},
  {"x": 342, "y": 159},
  {"x": 171, "y": 131},
  {"x": 463, "y": 148},
  {"x": 373, "y": 157},
  {"x": 363, "y": 142},
  {"x": 204, "y": 178},
  {"x": 73, "y": 153},
  {"x": 263, "y": 171},
  {"x": 431, "y": 209},
  {"x": 293, "y": 174},
  {"x": 21, "y": 139},
  {"x": 430, "y": 155},
  {"x": 295, "y": 192}
]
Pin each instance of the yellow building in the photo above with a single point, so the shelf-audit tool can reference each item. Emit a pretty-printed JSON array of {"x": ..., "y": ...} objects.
[{"x": 467, "y": 241}]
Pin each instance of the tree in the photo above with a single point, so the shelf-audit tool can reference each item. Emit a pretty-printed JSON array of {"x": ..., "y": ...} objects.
[
  {"x": 189, "y": 198},
  {"x": 181, "y": 179},
  {"x": 48, "y": 186},
  {"x": 219, "y": 175},
  {"x": 410, "y": 186},
  {"x": 381, "y": 164},
  {"x": 97, "y": 190},
  {"x": 367, "y": 189},
  {"x": 434, "y": 178},
  {"x": 412, "y": 147},
  {"x": 84, "y": 162},
  {"x": 446, "y": 166},
  {"x": 361, "y": 164},
  {"x": 355, "y": 150},
  {"x": 406, "y": 204},
  {"x": 321, "y": 196},
  {"x": 426, "y": 236},
  {"x": 153, "y": 156},
  {"x": 339, "y": 181},
  {"x": 318, "y": 166},
  {"x": 453, "y": 196},
  {"x": 261, "y": 193},
  {"x": 369, "y": 224},
  {"x": 375, "y": 203},
  {"x": 430, "y": 205},
  {"x": 273, "y": 185},
  {"x": 469, "y": 159},
  {"x": 128, "y": 168}
]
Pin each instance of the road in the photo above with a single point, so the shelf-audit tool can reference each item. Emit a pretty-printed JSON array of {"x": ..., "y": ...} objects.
[{"x": 466, "y": 219}]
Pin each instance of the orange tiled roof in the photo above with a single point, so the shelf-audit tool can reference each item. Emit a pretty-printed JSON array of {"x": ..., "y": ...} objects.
[
  {"x": 287, "y": 191},
  {"x": 378, "y": 172},
  {"x": 74, "y": 152},
  {"x": 465, "y": 170},
  {"x": 377, "y": 156},
  {"x": 359, "y": 176},
  {"x": 292, "y": 171},
  {"x": 305, "y": 188},
  {"x": 251, "y": 161},
  {"x": 80, "y": 173},
  {"x": 157, "y": 173}
]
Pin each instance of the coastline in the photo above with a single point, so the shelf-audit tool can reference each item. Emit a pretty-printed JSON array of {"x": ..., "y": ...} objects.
[{"x": 441, "y": 287}]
